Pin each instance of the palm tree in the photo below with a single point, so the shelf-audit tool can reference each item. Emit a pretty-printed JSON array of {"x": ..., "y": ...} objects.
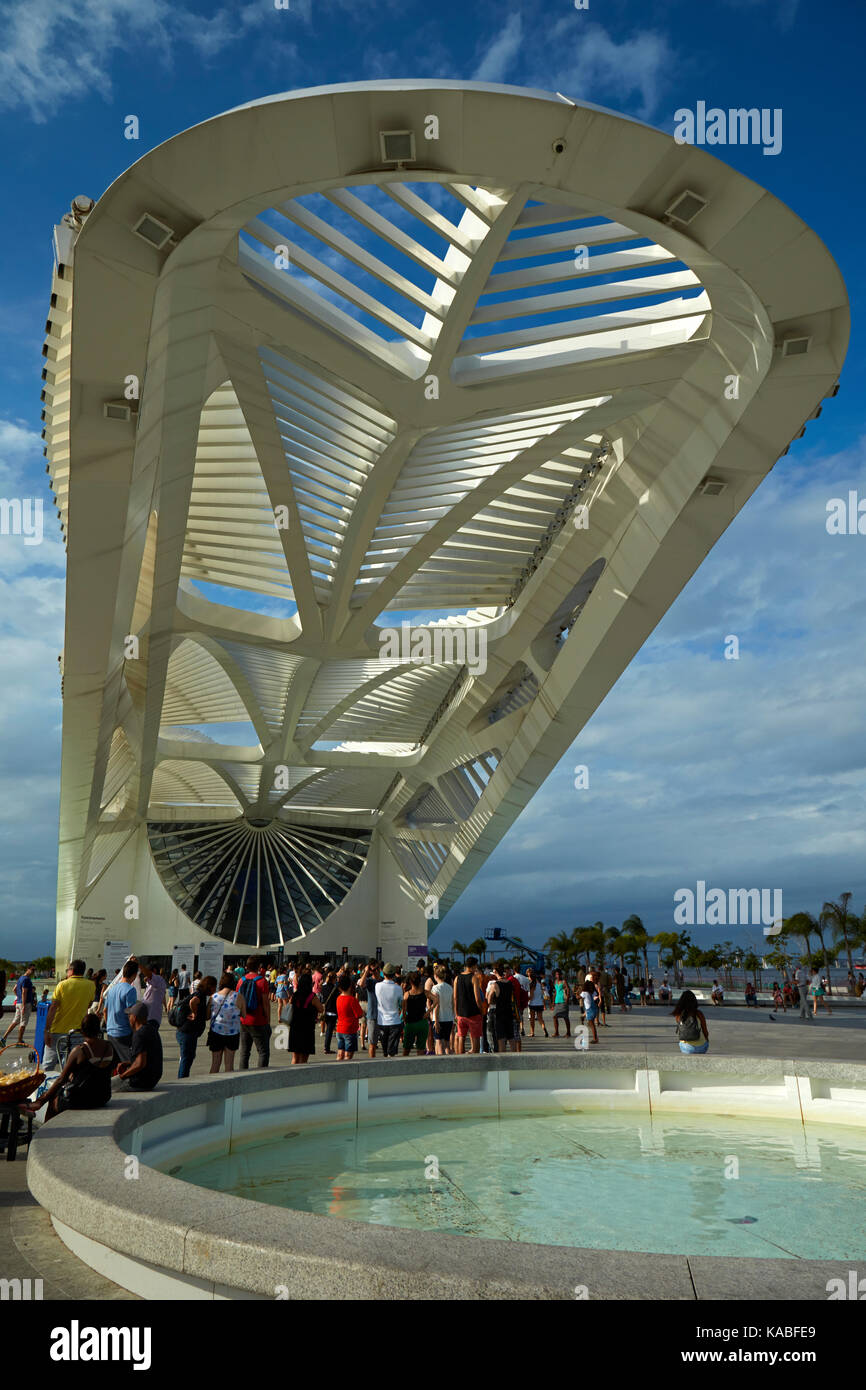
[
  {"x": 808, "y": 925},
  {"x": 802, "y": 924},
  {"x": 667, "y": 941},
  {"x": 837, "y": 915},
  {"x": 612, "y": 939},
  {"x": 477, "y": 947},
  {"x": 594, "y": 940},
  {"x": 580, "y": 945},
  {"x": 559, "y": 946},
  {"x": 459, "y": 946},
  {"x": 753, "y": 962},
  {"x": 638, "y": 932},
  {"x": 628, "y": 948}
]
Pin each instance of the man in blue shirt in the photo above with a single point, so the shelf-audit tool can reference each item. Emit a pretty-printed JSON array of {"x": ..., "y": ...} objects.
[
  {"x": 120, "y": 997},
  {"x": 25, "y": 1000}
]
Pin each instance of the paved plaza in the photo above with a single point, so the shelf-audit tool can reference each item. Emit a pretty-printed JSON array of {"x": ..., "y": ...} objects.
[{"x": 29, "y": 1248}]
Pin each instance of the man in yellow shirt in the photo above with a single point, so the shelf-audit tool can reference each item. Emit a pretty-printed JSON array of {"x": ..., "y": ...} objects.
[{"x": 71, "y": 1000}]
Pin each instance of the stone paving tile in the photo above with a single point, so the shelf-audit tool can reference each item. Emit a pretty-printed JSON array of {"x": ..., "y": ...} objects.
[{"x": 30, "y": 1248}]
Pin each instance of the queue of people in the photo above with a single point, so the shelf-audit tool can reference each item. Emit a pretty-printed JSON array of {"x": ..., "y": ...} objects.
[{"x": 104, "y": 1035}]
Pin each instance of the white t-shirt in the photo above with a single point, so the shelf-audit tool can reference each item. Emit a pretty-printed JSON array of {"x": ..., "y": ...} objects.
[
  {"x": 446, "y": 1001},
  {"x": 389, "y": 1002}
]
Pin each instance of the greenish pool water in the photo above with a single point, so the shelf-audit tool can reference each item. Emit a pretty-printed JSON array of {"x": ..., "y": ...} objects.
[{"x": 730, "y": 1187}]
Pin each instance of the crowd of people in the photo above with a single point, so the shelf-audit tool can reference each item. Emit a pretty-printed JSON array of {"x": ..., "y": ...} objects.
[{"x": 103, "y": 1035}]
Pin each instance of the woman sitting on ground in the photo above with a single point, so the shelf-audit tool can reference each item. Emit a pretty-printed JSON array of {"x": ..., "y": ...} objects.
[
  {"x": 692, "y": 1033},
  {"x": 85, "y": 1081}
]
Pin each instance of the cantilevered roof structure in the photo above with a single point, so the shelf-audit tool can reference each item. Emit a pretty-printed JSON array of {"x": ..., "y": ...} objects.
[{"x": 490, "y": 362}]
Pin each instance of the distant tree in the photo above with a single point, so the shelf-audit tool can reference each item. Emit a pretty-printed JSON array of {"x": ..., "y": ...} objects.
[
  {"x": 596, "y": 941},
  {"x": 559, "y": 946},
  {"x": 807, "y": 925},
  {"x": 636, "y": 929},
  {"x": 753, "y": 962},
  {"x": 478, "y": 947},
  {"x": 459, "y": 947},
  {"x": 801, "y": 925},
  {"x": 837, "y": 916},
  {"x": 611, "y": 939},
  {"x": 779, "y": 960},
  {"x": 695, "y": 958},
  {"x": 628, "y": 949}
]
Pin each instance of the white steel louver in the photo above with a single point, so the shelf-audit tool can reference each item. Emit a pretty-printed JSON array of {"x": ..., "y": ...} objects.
[
  {"x": 386, "y": 274},
  {"x": 253, "y": 884},
  {"x": 483, "y": 396}
]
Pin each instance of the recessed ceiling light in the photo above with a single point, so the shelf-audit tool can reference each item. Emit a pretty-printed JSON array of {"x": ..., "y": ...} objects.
[
  {"x": 397, "y": 146},
  {"x": 686, "y": 207},
  {"x": 712, "y": 487},
  {"x": 154, "y": 232},
  {"x": 795, "y": 347}
]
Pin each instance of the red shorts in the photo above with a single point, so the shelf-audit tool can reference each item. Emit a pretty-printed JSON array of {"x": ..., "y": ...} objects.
[{"x": 470, "y": 1026}]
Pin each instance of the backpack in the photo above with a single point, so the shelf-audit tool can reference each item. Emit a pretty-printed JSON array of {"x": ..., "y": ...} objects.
[
  {"x": 689, "y": 1029},
  {"x": 250, "y": 994},
  {"x": 181, "y": 1016},
  {"x": 521, "y": 998}
]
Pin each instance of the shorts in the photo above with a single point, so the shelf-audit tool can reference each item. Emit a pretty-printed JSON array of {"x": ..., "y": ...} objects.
[
  {"x": 415, "y": 1035},
  {"x": 122, "y": 1047},
  {"x": 502, "y": 1030},
  {"x": 693, "y": 1048},
  {"x": 22, "y": 1014},
  {"x": 591, "y": 1015},
  {"x": 347, "y": 1042},
  {"x": 372, "y": 1031},
  {"x": 442, "y": 1031},
  {"x": 223, "y": 1042},
  {"x": 470, "y": 1027},
  {"x": 536, "y": 1010}
]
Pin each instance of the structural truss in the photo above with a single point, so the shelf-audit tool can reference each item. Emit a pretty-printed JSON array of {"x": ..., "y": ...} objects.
[{"x": 310, "y": 376}]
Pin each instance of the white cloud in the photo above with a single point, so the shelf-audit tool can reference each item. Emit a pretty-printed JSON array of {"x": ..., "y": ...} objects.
[
  {"x": 58, "y": 50},
  {"x": 589, "y": 65},
  {"x": 743, "y": 773},
  {"x": 16, "y": 440},
  {"x": 581, "y": 59},
  {"x": 500, "y": 56}
]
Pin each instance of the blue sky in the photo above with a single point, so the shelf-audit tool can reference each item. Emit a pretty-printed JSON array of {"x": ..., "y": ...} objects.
[{"x": 746, "y": 773}]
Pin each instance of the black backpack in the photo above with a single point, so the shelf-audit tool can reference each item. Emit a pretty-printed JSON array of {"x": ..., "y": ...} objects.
[
  {"x": 689, "y": 1029},
  {"x": 180, "y": 1016}
]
